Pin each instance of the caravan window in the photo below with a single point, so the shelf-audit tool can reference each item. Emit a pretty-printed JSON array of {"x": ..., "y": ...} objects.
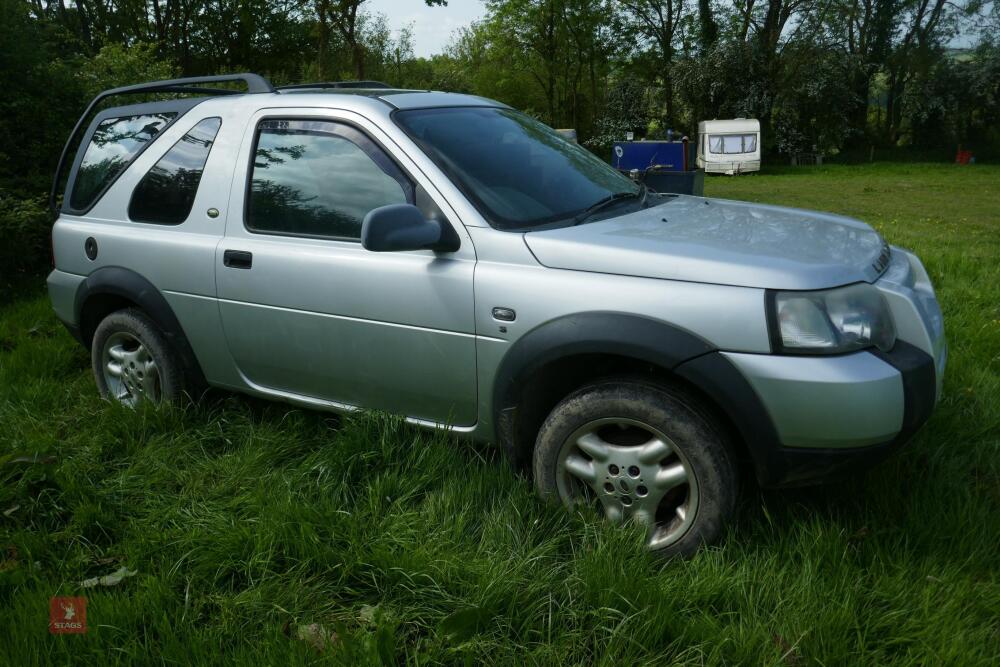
[{"x": 731, "y": 144}]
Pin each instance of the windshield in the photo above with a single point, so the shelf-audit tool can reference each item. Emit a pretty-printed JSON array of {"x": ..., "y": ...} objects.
[{"x": 518, "y": 172}]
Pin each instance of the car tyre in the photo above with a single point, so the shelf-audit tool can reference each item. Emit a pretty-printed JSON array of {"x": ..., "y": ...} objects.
[
  {"x": 640, "y": 451},
  {"x": 133, "y": 362}
]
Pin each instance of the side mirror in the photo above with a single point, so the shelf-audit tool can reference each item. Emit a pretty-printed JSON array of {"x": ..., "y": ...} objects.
[{"x": 400, "y": 227}]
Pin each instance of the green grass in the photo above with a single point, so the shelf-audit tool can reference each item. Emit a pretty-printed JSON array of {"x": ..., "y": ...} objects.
[{"x": 246, "y": 521}]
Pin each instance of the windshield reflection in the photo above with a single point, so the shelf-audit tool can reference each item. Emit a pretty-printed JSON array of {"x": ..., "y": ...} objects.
[{"x": 518, "y": 172}]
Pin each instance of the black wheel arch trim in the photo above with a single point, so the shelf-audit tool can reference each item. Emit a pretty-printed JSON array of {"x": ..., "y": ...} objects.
[
  {"x": 604, "y": 332},
  {"x": 117, "y": 281},
  {"x": 719, "y": 379},
  {"x": 690, "y": 358}
]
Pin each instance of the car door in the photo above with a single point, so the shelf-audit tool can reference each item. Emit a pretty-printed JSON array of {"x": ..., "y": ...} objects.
[{"x": 309, "y": 313}]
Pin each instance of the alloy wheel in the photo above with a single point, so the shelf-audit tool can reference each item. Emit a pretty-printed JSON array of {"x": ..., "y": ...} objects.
[
  {"x": 635, "y": 472},
  {"x": 130, "y": 370}
]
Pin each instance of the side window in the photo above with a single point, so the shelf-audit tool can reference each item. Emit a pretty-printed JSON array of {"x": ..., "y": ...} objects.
[
  {"x": 319, "y": 178},
  {"x": 166, "y": 193},
  {"x": 114, "y": 144}
]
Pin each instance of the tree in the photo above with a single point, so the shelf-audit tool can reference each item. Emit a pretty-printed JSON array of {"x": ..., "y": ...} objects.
[
  {"x": 658, "y": 21},
  {"x": 923, "y": 27},
  {"x": 550, "y": 55},
  {"x": 708, "y": 31},
  {"x": 808, "y": 69},
  {"x": 346, "y": 17},
  {"x": 863, "y": 31}
]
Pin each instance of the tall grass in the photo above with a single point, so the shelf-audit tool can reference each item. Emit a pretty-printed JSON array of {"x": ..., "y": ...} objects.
[{"x": 253, "y": 528}]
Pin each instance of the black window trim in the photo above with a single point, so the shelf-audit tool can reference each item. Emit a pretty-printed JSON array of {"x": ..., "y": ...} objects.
[
  {"x": 128, "y": 209},
  {"x": 411, "y": 191},
  {"x": 476, "y": 202},
  {"x": 178, "y": 107}
]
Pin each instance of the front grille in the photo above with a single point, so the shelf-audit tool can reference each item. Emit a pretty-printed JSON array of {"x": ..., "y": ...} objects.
[{"x": 882, "y": 261}]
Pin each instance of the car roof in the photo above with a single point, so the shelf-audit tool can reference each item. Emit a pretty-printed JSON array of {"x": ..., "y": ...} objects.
[
  {"x": 422, "y": 99},
  {"x": 403, "y": 98},
  {"x": 379, "y": 100}
]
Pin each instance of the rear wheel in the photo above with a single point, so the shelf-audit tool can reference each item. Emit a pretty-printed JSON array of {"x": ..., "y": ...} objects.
[
  {"x": 133, "y": 362},
  {"x": 640, "y": 452}
]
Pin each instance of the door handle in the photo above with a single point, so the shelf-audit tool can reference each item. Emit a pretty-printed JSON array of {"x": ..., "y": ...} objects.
[{"x": 237, "y": 259}]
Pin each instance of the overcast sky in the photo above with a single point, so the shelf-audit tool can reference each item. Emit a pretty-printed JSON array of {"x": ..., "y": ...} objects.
[{"x": 432, "y": 26}]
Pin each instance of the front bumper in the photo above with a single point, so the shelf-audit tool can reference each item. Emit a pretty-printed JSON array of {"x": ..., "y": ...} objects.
[
  {"x": 841, "y": 415},
  {"x": 812, "y": 419}
]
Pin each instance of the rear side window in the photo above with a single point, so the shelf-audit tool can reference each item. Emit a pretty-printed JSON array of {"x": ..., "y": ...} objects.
[
  {"x": 166, "y": 193},
  {"x": 115, "y": 143},
  {"x": 319, "y": 178}
]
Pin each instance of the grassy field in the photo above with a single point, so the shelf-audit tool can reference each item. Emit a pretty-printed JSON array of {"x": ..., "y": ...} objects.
[{"x": 255, "y": 530}]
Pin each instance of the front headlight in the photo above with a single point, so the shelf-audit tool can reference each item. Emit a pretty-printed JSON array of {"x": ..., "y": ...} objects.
[{"x": 831, "y": 321}]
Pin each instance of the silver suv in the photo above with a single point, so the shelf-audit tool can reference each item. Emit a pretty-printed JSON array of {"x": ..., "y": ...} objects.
[{"x": 447, "y": 258}]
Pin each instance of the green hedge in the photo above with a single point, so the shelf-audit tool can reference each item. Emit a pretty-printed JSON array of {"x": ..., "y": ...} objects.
[{"x": 25, "y": 228}]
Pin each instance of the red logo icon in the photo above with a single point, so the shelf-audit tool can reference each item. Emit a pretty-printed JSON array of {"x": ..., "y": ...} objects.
[{"x": 67, "y": 615}]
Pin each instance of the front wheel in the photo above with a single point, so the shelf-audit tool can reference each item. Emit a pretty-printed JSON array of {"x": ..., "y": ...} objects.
[{"x": 642, "y": 452}]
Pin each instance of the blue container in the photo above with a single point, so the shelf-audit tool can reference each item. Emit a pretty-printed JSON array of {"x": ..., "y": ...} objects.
[{"x": 641, "y": 155}]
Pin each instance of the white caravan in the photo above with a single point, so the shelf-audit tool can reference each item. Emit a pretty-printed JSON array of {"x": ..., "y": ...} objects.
[{"x": 729, "y": 146}]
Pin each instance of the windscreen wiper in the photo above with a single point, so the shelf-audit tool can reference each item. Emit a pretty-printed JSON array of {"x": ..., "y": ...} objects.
[{"x": 602, "y": 204}]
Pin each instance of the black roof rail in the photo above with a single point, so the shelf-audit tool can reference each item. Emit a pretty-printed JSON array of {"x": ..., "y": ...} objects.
[
  {"x": 255, "y": 84},
  {"x": 336, "y": 84}
]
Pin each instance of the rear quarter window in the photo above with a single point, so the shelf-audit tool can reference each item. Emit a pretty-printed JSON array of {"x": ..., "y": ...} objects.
[
  {"x": 114, "y": 144},
  {"x": 166, "y": 193}
]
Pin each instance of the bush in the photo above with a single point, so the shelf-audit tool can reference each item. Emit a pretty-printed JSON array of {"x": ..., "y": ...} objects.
[
  {"x": 25, "y": 228},
  {"x": 37, "y": 114},
  {"x": 116, "y": 65}
]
